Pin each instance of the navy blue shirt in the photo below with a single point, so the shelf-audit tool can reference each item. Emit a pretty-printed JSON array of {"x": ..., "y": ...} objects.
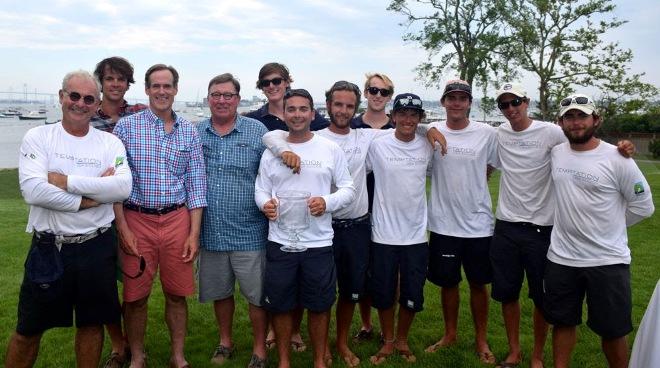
[
  {"x": 358, "y": 123},
  {"x": 272, "y": 122}
]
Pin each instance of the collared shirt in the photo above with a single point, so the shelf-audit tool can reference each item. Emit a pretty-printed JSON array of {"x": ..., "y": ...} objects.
[
  {"x": 272, "y": 122},
  {"x": 168, "y": 168},
  {"x": 358, "y": 123},
  {"x": 104, "y": 121},
  {"x": 232, "y": 221}
]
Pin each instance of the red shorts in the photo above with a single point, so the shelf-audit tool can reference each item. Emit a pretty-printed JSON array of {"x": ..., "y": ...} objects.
[{"x": 160, "y": 241}]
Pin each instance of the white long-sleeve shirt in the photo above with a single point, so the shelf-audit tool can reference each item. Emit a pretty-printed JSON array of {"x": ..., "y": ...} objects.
[
  {"x": 49, "y": 148},
  {"x": 598, "y": 192},
  {"x": 324, "y": 173}
]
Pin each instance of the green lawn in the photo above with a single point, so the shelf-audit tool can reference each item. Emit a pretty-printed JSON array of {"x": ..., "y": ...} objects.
[{"x": 57, "y": 345}]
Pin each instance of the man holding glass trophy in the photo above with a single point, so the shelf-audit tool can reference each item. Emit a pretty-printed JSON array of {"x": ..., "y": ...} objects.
[{"x": 299, "y": 257}]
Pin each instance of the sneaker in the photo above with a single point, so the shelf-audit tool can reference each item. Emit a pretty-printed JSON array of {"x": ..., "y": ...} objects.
[
  {"x": 364, "y": 335},
  {"x": 116, "y": 361},
  {"x": 256, "y": 362},
  {"x": 221, "y": 354}
]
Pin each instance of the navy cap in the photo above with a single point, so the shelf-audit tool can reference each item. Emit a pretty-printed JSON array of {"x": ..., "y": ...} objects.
[
  {"x": 407, "y": 101},
  {"x": 457, "y": 85}
]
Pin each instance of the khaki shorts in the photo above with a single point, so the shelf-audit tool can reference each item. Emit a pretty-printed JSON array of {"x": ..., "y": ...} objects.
[{"x": 219, "y": 271}]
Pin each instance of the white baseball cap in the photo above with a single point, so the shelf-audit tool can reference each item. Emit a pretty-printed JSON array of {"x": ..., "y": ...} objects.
[
  {"x": 577, "y": 101},
  {"x": 513, "y": 88}
]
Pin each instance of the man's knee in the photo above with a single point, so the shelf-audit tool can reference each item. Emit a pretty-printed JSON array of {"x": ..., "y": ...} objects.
[
  {"x": 175, "y": 299},
  {"x": 25, "y": 340}
]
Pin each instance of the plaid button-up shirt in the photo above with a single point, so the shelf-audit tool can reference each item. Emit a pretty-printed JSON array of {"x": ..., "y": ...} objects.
[
  {"x": 103, "y": 121},
  {"x": 168, "y": 168},
  {"x": 232, "y": 221}
]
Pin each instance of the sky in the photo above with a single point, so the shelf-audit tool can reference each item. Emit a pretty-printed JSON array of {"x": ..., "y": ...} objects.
[{"x": 320, "y": 41}]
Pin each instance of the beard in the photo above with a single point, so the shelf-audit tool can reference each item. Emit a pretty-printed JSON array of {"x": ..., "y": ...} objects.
[{"x": 576, "y": 138}]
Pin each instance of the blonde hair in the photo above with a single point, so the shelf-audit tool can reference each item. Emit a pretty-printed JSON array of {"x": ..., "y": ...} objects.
[{"x": 380, "y": 76}]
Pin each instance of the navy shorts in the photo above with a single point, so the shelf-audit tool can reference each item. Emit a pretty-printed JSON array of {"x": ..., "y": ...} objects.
[
  {"x": 609, "y": 298},
  {"x": 351, "y": 244},
  {"x": 519, "y": 248},
  {"x": 88, "y": 286},
  {"x": 447, "y": 253},
  {"x": 291, "y": 279},
  {"x": 388, "y": 263}
]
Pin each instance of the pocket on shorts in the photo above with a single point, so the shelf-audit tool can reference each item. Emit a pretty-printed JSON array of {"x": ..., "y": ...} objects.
[{"x": 44, "y": 269}]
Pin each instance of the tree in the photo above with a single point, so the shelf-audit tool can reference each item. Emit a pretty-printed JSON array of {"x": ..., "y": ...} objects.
[
  {"x": 559, "y": 41},
  {"x": 466, "y": 35}
]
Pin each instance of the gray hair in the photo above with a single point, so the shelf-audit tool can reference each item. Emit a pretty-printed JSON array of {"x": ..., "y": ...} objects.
[{"x": 84, "y": 75}]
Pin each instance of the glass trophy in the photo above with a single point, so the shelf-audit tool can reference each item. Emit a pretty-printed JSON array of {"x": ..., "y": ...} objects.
[{"x": 293, "y": 217}]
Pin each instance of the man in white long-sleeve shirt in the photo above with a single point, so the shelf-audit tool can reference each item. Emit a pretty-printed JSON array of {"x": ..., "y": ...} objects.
[
  {"x": 306, "y": 278},
  {"x": 70, "y": 175},
  {"x": 598, "y": 193}
]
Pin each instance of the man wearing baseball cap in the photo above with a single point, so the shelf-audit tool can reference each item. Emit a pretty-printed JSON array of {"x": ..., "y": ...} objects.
[
  {"x": 598, "y": 187},
  {"x": 399, "y": 161},
  {"x": 461, "y": 221},
  {"x": 524, "y": 215}
]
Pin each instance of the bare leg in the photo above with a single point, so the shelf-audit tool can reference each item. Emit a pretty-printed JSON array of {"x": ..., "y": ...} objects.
[
  {"x": 297, "y": 316},
  {"x": 540, "y": 334},
  {"x": 282, "y": 327},
  {"x": 259, "y": 321},
  {"x": 449, "y": 297},
  {"x": 22, "y": 350},
  {"x": 511, "y": 315},
  {"x": 344, "y": 311},
  {"x": 318, "y": 323},
  {"x": 479, "y": 307},
  {"x": 176, "y": 317},
  {"x": 406, "y": 317},
  {"x": 224, "y": 315},
  {"x": 563, "y": 342},
  {"x": 135, "y": 319},
  {"x": 616, "y": 352},
  {"x": 386, "y": 318},
  {"x": 117, "y": 339},
  {"x": 365, "y": 313},
  {"x": 88, "y": 345}
]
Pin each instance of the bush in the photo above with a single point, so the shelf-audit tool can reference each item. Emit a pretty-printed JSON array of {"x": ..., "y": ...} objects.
[{"x": 654, "y": 148}]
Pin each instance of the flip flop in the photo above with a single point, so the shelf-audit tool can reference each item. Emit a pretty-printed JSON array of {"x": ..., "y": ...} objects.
[
  {"x": 298, "y": 346},
  {"x": 351, "y": 360},
  {"x": 407, "y": 355},
  {"x": 507, "y": 365},
  {"x": 486, "y": 357},
  {"x": 437, "y": 346},
  {"x": 379, "y": 358}
]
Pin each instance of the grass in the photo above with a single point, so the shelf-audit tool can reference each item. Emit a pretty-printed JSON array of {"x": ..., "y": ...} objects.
[{"x": 57, "y": 344}]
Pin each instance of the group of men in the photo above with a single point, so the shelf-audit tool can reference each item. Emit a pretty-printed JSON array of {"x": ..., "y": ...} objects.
[{"x": 173, "y": 190}]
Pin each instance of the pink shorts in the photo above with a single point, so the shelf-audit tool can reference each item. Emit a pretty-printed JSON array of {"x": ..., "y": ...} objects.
[{"x": 160, "y": 241}]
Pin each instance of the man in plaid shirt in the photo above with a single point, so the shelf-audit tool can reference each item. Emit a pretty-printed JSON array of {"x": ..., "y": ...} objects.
[{"x": 159, "y": 224}]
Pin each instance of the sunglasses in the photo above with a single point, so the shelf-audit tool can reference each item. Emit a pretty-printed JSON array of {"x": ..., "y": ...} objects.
[
  {"x": 226, "y": 96},
  {"x": 143, "y": 266},
  {"x": 384, "y": 92},
  {"x": 263, "y": 83},
  {"x": 515, "y": 102},
  {"x": 75, "y": 97},
  {"x": 579, "y": 100}
]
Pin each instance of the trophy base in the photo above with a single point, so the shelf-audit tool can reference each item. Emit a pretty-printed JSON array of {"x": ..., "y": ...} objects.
[{"x": 293, "y": 248}]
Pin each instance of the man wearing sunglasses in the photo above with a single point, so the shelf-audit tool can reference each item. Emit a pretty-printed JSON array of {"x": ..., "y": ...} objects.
[
  {"x": 598, "y": 194},
  {"x": 461, "y": 221},
  {"x": 234, "y": 230},
  {"x": 524, "y": 215},
  {"x": 162, "y": 216},
  {"x": 378, "y": 91},
  {"x": 70, "y": 175},
  {"x": 307, "y": 278},
  {"x": 274, "y": 80}
]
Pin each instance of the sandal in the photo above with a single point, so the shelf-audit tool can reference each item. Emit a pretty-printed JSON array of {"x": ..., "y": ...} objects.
[
  {"x": 222, "y": 354},
  {"x": 407, "y": 355},
  {"x": 298, "y": 346},
  {"x": 379, "y": 358},
  {"x": 486, "y": 357}
]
